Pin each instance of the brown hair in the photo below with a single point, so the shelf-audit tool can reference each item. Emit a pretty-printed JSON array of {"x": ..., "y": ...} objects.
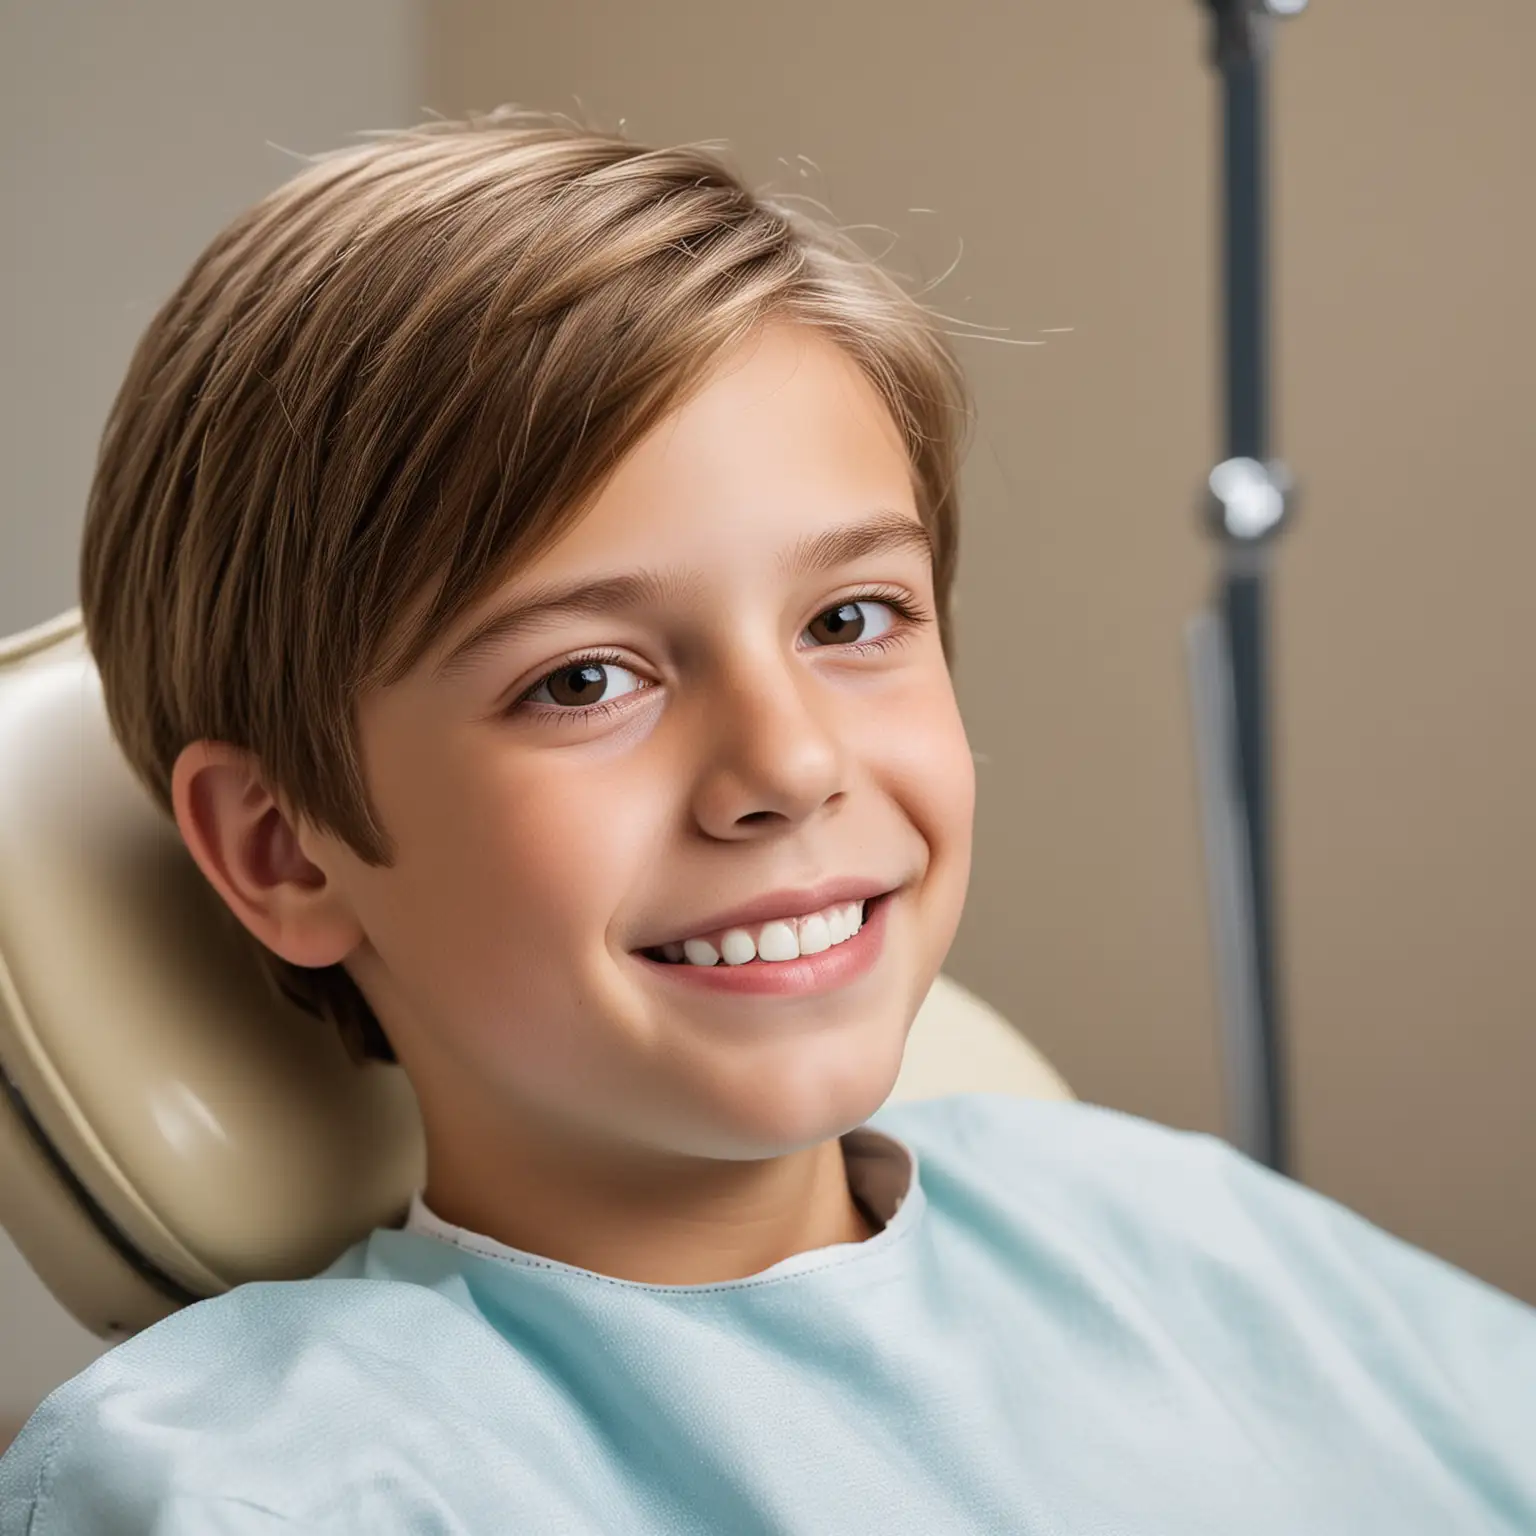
[{"x": 394, "y": 382}]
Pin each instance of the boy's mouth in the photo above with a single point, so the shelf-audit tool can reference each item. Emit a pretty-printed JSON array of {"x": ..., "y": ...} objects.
[{"x": 771, "y": 942}]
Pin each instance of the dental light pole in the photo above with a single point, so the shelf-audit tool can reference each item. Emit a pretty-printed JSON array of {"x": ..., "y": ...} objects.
[{"x": 1247, "y": 504}]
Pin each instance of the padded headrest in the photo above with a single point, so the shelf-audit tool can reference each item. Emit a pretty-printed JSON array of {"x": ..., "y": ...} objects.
[{"x": 169, "y": 1126}]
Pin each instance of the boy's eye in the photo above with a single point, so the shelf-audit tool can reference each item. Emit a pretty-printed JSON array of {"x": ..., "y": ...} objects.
[
  {"x": 582, "y": 683},
  {"x": 845, "y": 624}
]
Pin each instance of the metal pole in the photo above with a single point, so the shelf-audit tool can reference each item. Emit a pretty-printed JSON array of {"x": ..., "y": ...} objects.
[{"x": 1248, "y": 504}]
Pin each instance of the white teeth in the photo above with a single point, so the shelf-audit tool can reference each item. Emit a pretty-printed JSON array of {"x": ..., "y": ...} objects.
[
  {"x": 737, "y": 947},
  {"x": 815, "y": 936},
  {"x": 777, "y": 941},
  {"x": 781, "y": 939}
]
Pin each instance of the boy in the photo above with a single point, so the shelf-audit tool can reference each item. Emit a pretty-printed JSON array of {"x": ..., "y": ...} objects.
[{"x": 520, "y": 562}]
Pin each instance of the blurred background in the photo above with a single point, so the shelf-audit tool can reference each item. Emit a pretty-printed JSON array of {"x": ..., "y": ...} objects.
[{"x": 1061, "y": 159}]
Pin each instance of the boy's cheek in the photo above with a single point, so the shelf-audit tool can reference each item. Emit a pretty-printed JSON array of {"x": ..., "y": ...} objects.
[{"x": 923, "y": 747}]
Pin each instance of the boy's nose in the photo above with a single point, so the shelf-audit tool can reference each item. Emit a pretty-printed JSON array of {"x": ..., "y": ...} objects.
[{"x": 769, "y": 752}]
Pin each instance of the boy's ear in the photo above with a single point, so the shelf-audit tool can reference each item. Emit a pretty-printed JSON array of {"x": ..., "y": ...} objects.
[{"x": 249, "y": 851}]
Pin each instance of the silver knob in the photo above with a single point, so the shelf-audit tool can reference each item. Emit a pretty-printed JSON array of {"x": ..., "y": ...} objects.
[{"x": 1248, "y": 500}]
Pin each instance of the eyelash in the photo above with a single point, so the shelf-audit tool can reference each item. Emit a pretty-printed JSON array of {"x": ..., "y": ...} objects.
[{"x": 912, "y": 615}]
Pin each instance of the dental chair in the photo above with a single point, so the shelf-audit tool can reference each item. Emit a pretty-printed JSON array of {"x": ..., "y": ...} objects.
[{"x": 169, "y": 1126}]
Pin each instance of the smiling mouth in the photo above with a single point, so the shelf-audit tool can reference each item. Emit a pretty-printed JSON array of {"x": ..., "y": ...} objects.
[{"x": 775, "y": 941}]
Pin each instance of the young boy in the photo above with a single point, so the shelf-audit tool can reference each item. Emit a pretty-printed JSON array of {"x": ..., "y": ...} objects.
[{"x": 520, "y": 562}]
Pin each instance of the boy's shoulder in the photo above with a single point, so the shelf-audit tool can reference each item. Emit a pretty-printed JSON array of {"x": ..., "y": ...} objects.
[
  {"x": 1170, "y": 1203},
  {"x": 1045, "y": 1149},
  {"x": 1068, "y": 1125},
  {"x": 219, "y": 1371},
  {"x": 1185, "y": 1208}
]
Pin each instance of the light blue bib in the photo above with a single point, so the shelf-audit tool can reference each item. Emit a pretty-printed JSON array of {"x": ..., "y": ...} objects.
[{"x": 1073, "y": 1323}]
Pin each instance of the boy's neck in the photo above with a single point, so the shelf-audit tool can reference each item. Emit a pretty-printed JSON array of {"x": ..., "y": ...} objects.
[{"x": 728, "y": 1221}]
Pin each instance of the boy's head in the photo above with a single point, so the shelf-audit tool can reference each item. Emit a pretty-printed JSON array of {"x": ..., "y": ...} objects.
[{"x": 471, "y": 364}]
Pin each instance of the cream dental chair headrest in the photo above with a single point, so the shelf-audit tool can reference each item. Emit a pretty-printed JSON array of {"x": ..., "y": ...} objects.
[{"x": 169, "y": 1127}]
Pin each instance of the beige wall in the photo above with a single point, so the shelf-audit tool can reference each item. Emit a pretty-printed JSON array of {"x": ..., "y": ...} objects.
[
  {"x": 1409, "y": 660},
  {"x": 1070, "y": 146}
]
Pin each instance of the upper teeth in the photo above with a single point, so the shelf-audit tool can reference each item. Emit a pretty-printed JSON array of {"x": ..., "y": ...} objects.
[{"x": 782, "y": 939}]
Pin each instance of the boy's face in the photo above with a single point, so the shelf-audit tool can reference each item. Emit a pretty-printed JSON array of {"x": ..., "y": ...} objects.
[{"x": 737, "y": 738}]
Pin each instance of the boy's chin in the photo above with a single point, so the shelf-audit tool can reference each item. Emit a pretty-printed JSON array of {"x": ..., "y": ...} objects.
[{"x": 781, "y": 1116}]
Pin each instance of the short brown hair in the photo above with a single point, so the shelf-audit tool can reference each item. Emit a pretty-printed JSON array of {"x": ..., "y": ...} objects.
[{"x": 394, "y": 382}]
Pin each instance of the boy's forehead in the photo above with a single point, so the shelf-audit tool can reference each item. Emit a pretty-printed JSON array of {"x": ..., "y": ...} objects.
[{"x": 784, "y": 458}]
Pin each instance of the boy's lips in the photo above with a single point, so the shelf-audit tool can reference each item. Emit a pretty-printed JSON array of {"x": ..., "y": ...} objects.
[{"x": 779, "y": 904}]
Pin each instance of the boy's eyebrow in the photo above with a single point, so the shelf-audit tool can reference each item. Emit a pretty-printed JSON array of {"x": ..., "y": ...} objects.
[{"x": 545, "y": 606}]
